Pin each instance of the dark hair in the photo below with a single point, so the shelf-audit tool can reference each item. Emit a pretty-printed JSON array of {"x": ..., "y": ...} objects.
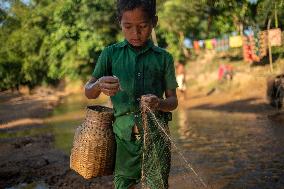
[{"x": 149, "y": 6}]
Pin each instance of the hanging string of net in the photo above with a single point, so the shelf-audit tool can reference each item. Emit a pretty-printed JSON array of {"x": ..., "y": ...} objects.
[{"x": 156, "y": 157}]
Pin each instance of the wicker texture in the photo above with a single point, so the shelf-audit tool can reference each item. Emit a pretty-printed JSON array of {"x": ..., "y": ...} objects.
[{"x": 93, "y": 152}]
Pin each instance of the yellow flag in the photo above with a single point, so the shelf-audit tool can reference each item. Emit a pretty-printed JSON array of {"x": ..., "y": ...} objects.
[{"x": 235, "y": 41}]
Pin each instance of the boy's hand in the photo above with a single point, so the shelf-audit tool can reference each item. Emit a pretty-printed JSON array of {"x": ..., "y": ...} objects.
[
  {"x": 151, "y": 101},
  {"x": 109, "y": 85}
]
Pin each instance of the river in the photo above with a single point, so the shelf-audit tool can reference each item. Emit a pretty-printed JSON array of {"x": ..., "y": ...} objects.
[{"x": 226, "y": 149}]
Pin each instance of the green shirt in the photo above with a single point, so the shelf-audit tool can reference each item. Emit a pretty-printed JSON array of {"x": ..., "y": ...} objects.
[{"x": 148, "y": 71}]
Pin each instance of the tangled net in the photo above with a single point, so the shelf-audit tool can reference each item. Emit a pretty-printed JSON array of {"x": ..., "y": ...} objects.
[
  {"x": 156, "y": 152},
  {"x": 156, "y": 157}
]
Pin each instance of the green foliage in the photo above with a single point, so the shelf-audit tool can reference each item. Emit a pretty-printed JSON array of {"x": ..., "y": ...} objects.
[
  {"x": 47, "y": 40},
  {"x": 201, "y": 19},
  {"x": 177, "y": 17},
  {"x": 266, "y": 10},
  {"x": 81, "y": 29}
]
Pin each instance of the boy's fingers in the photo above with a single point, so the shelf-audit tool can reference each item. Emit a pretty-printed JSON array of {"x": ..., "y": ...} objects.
[
  {"x": 150, "y": 100},
  {"x": 109, "y": 86},
  {"x": 109, "y": 79},
  {"x": 147, "y": 97},
  {"x": 108, "y": 92}
]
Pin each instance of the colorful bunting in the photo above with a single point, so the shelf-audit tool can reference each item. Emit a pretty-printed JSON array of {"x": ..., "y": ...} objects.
[{"x": 235, "y": 41}]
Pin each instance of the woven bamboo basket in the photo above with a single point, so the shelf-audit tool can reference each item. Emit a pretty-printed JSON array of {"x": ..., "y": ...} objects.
[{"x": 93, "y": 152}]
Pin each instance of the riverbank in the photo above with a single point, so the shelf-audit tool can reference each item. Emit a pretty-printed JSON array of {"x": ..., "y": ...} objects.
[
  {"x": 33, "y": 161},
  {"x": 26, "y": 110}
]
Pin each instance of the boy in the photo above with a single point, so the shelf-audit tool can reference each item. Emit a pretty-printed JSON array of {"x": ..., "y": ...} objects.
[{"x": 132, "y": 72}]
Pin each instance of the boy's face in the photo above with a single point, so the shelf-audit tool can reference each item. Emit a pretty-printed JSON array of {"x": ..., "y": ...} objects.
[{"x": 136, "y": 26}]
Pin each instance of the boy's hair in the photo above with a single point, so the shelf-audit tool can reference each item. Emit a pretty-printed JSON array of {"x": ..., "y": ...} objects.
[{"x": 149, "y": 6}]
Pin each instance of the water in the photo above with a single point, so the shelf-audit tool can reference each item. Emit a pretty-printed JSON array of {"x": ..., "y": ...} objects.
[
  {"x": 226, "y": 149},
  {"x": 229, "y": 150},
  {"x": 185, "y": 162},
  {"x": 62, "y": 122}
]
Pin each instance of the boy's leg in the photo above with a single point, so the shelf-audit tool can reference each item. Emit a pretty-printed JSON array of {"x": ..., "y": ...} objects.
[{"x": 128, "y": 163}]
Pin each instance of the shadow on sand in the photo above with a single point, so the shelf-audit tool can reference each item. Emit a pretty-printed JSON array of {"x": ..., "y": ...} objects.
[{"x": 249, "y": 105}]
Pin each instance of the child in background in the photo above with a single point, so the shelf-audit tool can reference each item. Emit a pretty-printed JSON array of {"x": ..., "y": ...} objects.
[
  {"x": 181, "y": 77},
  {"x": 225, "y": 72},
  {"x": 131, "y": 72}
]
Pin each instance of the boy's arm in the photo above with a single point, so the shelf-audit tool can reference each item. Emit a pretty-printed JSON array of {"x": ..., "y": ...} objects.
[
  {"x": 169, "y": 103},
  {"x": 108, "y": 85},
  {"x": 164, "y": 105},
  {"x": 92, "y": 88}
]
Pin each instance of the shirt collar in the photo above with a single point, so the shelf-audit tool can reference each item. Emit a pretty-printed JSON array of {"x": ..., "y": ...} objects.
[
  {"x": 149, "y": 44},
  {"x": 122, "y": 44}
]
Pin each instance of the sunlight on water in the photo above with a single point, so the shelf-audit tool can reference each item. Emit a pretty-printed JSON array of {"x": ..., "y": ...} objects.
[
  {"x": 184, "y": 161},
  {"x": 62, "y": 122},
  {"x": 230, "y": 150},
  {"x": 67, "y": 117},
  {"x": 226, "y": 149}
]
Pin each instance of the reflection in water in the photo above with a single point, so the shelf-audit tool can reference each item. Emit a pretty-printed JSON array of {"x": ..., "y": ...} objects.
[
  {"x": 230, "y": 150},
  {"x": 62, "y": 122},
  {"x": 183, "y": 129},
  {"x": 67, "y": 117}
]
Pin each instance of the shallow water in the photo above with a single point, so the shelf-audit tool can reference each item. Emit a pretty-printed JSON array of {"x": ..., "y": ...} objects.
[
  {"x": 226, "y": 149},
  {"x": 62, "y": 122}
]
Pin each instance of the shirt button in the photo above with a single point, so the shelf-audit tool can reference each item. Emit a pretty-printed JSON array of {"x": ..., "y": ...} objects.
[{"x": 138, "y": 74}]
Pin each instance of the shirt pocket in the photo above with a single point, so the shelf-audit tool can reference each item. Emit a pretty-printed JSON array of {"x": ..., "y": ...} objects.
[{"x": 154, "y": 79}]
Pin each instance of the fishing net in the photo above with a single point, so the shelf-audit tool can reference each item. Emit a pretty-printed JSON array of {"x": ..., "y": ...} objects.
[{"x": 156, "y": 155}]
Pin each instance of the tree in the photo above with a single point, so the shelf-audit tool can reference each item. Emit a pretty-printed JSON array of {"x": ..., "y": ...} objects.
[
  {"x": 81, "y": 29},
  {"x": 180, "y": 18},
  {"x": 265, "y": 10},
  {"x": 44, "y": 40}
]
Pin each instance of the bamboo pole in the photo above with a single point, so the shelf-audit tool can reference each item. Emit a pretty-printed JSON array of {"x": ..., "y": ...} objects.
[
  {"x": 269, "y": 46},
  {"x": 154, "y": 37},
  {"x": 276, "y": 17}
]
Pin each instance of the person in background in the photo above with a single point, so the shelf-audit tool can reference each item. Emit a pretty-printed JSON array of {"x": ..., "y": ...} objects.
[
  {"x": 225, "y": 72},
  {"x": 181, "y": 76},
  {"x": 135, "y": 72}
]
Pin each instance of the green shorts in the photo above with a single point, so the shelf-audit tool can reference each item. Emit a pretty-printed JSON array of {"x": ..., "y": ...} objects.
[
  {"x": 156, "y": 164},
  {"x": 128, "y": 163}
]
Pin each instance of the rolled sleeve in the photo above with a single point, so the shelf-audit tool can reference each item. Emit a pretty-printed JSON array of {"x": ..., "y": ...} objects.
[
  {"x": 170, "y": 77},
  {"x": 103, "y": 64}
]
